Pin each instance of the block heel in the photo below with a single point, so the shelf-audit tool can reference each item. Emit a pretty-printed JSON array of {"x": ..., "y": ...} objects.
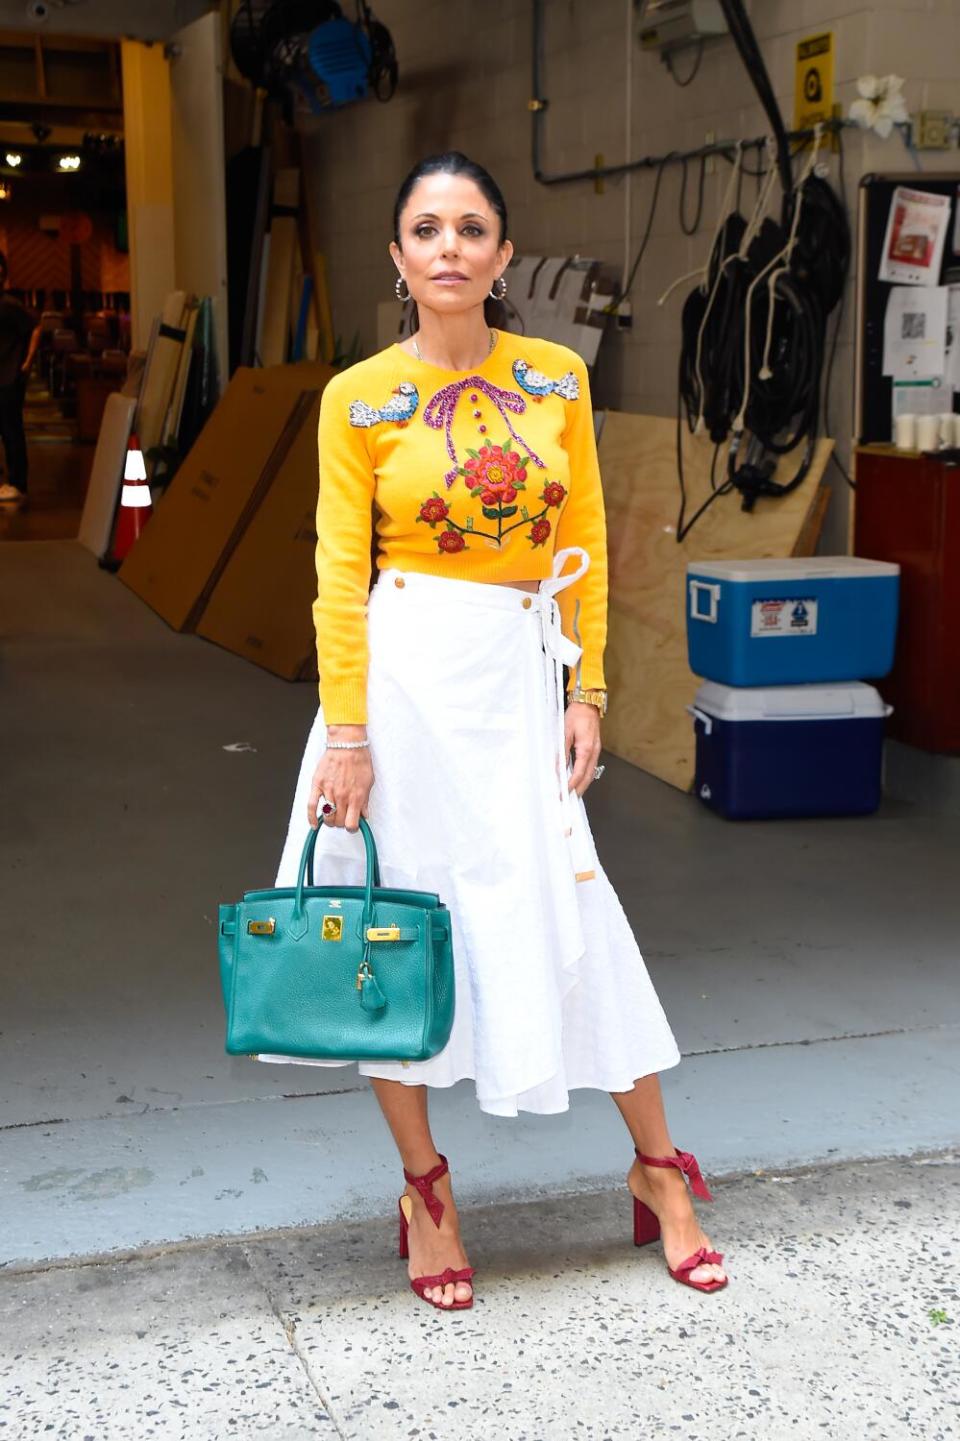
[{"x": 646, "y": 1225}]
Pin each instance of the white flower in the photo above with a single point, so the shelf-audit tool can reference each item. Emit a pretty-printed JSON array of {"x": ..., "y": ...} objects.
[{"x": 882, "y": 104}]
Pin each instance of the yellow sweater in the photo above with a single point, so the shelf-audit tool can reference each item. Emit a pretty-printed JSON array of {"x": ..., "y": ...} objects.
[{"x": 477, "y": 474}]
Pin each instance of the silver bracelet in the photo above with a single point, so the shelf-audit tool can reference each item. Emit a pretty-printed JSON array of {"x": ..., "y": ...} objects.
[{"x": 346, "y": 745}]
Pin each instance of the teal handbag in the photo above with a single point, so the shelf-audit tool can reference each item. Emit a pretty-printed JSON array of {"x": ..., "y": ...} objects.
[{"x": 351, "y": 973}]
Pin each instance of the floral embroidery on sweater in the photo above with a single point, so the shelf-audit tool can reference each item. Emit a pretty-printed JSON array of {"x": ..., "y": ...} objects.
[
  {"x": 400, "y": 407},
  {"x": 497, "y": 475},
  {"x": 535, "y": 383}
]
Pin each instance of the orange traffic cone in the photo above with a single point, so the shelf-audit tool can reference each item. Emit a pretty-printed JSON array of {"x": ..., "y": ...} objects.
[{"x": 136, "y": 504}]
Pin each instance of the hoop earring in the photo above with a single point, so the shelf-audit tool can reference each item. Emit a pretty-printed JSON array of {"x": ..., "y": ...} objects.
[
  {"x": 401, "y": 281},
  {"x": 494, "y": 293}
]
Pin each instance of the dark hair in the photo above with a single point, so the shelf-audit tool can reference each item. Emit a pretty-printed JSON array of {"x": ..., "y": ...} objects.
[
  {"x": 454, "y": 162},
  {"x": 4, "y": 267}
]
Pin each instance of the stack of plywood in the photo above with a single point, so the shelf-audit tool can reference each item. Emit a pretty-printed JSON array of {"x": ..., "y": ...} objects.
[
  {"x": 288, "y": 303},
  {"x": 229, "y": 551},
  {"x": 162, "y": 371},
  {"x": 646, "y": 658}
]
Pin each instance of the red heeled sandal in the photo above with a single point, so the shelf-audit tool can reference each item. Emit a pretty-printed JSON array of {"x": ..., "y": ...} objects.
[
  {"x": 419, "y": 1284},
  {"x": 646, "y": 1227}
]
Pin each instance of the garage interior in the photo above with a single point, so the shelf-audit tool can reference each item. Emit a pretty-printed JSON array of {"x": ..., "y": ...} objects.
[{"x": 808, "y": 965}]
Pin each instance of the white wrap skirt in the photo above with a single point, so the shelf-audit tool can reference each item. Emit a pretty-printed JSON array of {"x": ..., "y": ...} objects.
[{"x": 465, "y": 721}]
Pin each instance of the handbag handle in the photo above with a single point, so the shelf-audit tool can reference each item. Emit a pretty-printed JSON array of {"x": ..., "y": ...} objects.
[
  {"x": 372, "y": 876},
  {"x": 376, "y": 859}
]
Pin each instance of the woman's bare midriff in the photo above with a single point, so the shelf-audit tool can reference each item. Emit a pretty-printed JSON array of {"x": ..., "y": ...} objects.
[{"x": 533, "y": 585}]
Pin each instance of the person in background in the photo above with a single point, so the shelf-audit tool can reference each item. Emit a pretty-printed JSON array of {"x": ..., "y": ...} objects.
[{"x": 19, "y": 338}]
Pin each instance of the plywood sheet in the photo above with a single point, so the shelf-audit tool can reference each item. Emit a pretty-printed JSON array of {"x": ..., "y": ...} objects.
[
  {"x": 326, "y": 345},
  {"x": 171, "y": 430},
  {"x": 281, "y": 256},
  {"x": 106, "y": 475},
  {"x": 646, "y": 657},
  {"x": 160, "y": 375}
]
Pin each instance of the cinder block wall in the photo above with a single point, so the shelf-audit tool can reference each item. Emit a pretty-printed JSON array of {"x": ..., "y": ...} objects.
[{"x": 465, "y": 84}]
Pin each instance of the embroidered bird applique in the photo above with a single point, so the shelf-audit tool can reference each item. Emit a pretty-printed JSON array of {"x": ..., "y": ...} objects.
[
  {"x": 535, "y": 383},
  {"x": 400, "y": 407}
]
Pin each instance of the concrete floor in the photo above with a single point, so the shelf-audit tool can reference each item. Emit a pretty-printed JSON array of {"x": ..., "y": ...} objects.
[
  {"x": 839, "y": 1321},
  {"x": 809, "y": 969}
]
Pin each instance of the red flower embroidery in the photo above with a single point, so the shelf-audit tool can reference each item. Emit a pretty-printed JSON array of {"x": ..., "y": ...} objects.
[
  {"x": 553, "y": 493},
  {"x": 504, "y": 497},
  {"x": 450, "y": 542},
  {"x": 497, "y": 471},
  {"x": 434, "y": 510},
  {"x": 539, "y": 532}
]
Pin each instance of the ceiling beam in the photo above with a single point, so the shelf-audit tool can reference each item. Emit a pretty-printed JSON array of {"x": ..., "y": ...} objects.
[{"x": 105, "y": 20}]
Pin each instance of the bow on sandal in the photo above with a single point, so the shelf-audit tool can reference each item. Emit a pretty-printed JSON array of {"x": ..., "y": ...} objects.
[
  {"x": 646, "y": 1227},
  {"x": 421, "y": 1284}
]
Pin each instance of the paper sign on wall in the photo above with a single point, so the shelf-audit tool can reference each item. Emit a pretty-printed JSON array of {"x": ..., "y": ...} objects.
[
  {"x": 919, "y": 397},
  {"x": 915, "y": 332},
  {"x": 813, "y": 81},
  {"x": 916, "y": 234},
  {"x": 952, "y": 366}
]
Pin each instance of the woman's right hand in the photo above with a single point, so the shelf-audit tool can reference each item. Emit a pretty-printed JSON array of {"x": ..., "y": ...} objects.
[{"x": 345, "y": 779}]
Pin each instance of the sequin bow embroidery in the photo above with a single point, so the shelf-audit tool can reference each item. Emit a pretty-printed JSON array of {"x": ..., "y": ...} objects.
[{"x": 439, "y": 412}]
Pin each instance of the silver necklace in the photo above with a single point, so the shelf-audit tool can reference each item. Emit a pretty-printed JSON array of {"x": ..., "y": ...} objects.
[{"x": 416, "y": 348}]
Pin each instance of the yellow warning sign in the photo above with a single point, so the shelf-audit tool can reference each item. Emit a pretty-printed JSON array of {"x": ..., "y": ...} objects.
[{"x": 813, "y": 93}]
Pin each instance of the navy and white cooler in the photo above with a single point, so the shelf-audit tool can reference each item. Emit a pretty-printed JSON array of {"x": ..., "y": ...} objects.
[
  {"x": 791, "y": 621},
  {"x": 777, "y": 751}
]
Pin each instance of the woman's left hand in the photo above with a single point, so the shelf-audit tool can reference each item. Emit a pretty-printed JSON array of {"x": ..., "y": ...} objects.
[{"x": 581, "y": 729}]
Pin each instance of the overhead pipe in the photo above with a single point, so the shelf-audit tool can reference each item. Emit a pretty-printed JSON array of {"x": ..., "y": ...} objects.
[{"x": 538, "y": 105}]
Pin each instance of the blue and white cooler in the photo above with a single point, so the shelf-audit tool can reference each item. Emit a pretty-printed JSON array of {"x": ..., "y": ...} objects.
[
  {"x": 778, "y": 751},
  {"x": 791, "y": 622}
]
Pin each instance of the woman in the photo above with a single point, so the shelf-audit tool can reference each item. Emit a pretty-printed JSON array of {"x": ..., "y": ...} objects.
[{"x": 442, "y": 721}]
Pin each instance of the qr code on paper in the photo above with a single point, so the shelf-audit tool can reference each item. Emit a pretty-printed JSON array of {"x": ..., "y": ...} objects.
[{"x": 914, "y": 325}]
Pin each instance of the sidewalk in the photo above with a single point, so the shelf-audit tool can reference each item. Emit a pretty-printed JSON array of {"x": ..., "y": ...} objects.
[{"x": 832, "y": 1326}]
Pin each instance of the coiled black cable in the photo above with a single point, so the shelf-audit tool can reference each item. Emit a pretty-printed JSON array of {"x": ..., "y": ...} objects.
[{"x": 764, "y": 386}]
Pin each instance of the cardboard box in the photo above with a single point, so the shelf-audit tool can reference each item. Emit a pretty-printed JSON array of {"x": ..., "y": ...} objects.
[
  {"x": 261, "y": 607},
  {"x": 201, "y": 516}
]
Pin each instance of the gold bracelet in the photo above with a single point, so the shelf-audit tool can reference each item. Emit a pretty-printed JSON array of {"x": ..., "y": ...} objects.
[{"x": 594, "y": 696}]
